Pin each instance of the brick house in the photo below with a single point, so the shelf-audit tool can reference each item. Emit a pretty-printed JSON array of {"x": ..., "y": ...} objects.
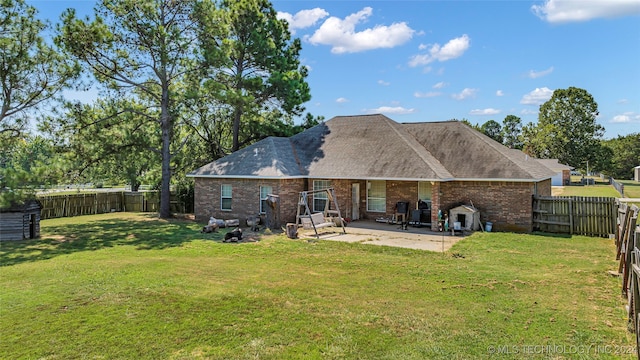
[
  {"x": 562, "y": 173},
  {"x": 373, "y": 162}
]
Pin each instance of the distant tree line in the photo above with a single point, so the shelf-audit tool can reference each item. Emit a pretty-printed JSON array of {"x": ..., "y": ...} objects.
[
  {"x": 181, "y": 83},
  {"x": 567, "y": 130}
]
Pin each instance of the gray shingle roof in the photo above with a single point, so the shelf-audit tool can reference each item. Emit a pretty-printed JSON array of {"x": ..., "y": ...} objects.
[
  {"x": 376, "y": 147},
  {"x": 271, "y": 157},
  {"x": 469, "y": 154},
  {"x": 554, "y": 165}
]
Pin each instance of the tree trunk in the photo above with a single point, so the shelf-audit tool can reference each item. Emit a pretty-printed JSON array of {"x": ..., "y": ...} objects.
[
  {"x": 292, "y": 230},
  {"x": 237, "y": 115},
  {"x": 165, "y": 124},
  {"x": 273, "y": 212}
]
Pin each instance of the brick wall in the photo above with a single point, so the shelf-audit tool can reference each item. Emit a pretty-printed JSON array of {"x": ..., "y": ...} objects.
[
  {"x": 342, "y": 189},
  {"x": 543, "y": 188},
  {"x": 435, "y": 204},
  {"x": 508, "y": 205},
  {"x": 245, "y": 198},
  {"x": 566, "y": 177}
]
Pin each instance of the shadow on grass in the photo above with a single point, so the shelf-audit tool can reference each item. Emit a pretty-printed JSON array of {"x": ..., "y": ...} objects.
[
  {"x": 552, "y": 235},
  {"x": 143, "y": 232}
]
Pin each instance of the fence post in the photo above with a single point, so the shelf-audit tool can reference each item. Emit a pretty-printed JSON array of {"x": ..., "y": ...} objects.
[{"x": 570, "y": 216}]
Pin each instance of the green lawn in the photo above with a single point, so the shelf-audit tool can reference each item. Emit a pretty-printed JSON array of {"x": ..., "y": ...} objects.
[
  {"x": 130, "y": 286},
  {"x": 631, "y": 188},
  {"x": 590, "y": 190}
]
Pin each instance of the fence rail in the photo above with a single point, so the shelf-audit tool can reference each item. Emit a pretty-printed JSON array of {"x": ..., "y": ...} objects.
[
  {"x": 590, "y": 216},
  {"x": 66, "y": 205},
  {"x": 627, "y": 239},
  {"x": 618, "y": 186}
]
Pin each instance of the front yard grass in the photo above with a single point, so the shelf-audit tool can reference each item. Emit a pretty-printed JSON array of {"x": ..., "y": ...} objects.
[{"x": 124, "y": 285}]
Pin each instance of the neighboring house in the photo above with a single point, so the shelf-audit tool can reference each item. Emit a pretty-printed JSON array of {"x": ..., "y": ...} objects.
[
  {"x": 636, "y": 173},
  {"x": 562, "y": 172},
  {"x": 20, "y": 221},
  {"x": 374, "y": 162}
]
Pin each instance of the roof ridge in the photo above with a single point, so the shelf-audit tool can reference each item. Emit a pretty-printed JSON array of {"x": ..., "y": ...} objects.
[{"x": 420, "y": 150}]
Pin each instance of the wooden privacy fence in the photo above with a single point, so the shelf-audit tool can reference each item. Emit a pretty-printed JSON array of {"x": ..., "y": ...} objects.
[
  {"x": 590, "y": 216},
  {"x": 56, "y": 206},
  {"x": 627, "y": 239}
]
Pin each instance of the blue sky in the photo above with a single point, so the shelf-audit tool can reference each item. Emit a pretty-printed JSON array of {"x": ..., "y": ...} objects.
[{"x": 478, "y": 60}]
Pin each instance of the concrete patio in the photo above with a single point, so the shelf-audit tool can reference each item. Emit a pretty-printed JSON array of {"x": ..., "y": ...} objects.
[{"x": 374, "y": 233}]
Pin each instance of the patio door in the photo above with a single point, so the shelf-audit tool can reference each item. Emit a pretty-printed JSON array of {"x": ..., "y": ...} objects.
[{"x": 355, "y": 201}]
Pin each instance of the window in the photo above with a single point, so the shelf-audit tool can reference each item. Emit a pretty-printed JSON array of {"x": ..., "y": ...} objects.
[
  {"x": 264, "y": 191},
  {"x": 225, "y": 197},
  {"x": 320, "y": 198},
  {"x": 424, "y": 190},
  {"x": 377, "y": 196}
]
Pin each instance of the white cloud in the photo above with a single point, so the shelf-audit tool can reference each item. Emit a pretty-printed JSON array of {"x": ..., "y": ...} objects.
[
  {"x": 427, "y": 69},
  {"x": 537, "y": 96},
  {"x": 488, "y": 111},
  {"x": 341, "y": 35},
  {"x": 451, "y": 50},
  {"x": 499, "y": 93},
  {"x": 628, "y": 117},
  {"x": 342, "y": 100},
  {"x": 529, "y": 112},
  {"x": 440, "y": 85},
  {"x": 562, "y": 11},
  {"x": 622, "y": 101},
  {"x": 536, "y": 74},
  {"x": 384, "y": 83},
  {"x": 398, "y": 110},
  {"x": 427, "y": 94},
  {"x": 303, "y": 18},
  {"x": 466, "y": 93}
]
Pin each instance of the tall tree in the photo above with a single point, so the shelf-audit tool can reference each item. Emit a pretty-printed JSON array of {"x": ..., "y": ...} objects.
[
  {"x": 143, "y": 49},
  {"x": 625, "y": 154},
  {"x": 567, "y": 125},
  {"x": 493, "y": 130},
  {"x": 259, "y": 75},
  {"x": 110, "y": 140},
  {"x": 533, "y": 143},
  {"x": 32, "y": 73},
  {"x": 469, "y": 124},
  {"x": 26, "y": 164},
  {"x": 512, "y": 132}
]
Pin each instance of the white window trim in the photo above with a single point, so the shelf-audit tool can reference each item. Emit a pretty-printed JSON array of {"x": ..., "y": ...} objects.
[
  {"x": 223, "y": 197},
  {"x": 263, "y": 211},
  {"x": 369, "y": 183},
  {"x": 320, "y": 195}
]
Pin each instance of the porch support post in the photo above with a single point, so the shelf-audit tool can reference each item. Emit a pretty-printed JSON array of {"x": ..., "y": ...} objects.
[{"x": 435, "y": 204}]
